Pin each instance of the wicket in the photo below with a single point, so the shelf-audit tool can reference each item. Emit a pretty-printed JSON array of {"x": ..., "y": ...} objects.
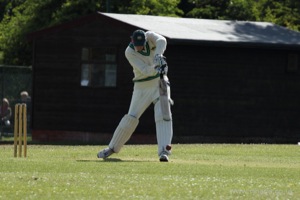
[{"x": 20, "y": 130}]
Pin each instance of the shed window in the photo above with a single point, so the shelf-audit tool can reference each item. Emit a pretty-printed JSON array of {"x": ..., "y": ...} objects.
[{"x": 98, "y": 67}]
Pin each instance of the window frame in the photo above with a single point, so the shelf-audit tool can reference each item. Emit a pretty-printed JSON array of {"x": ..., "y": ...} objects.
[{"x": 106, "y": 62}]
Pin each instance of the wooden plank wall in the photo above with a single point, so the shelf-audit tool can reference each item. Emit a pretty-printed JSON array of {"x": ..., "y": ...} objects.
[
  {"x": 59, "y": 101},
  {"x": 233, "y": 92},
  {"x": 218, "y": 91}
]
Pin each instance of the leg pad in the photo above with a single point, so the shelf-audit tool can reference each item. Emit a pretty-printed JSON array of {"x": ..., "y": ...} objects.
[{"x": 123, "y": 132}]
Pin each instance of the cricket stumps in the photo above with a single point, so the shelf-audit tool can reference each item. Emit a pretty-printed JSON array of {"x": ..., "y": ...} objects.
[{"x": 20, "y": 130}]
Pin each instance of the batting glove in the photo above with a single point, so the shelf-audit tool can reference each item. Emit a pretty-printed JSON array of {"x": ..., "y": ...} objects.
[
  {"x": 162, "y": 69},
  {"x": 159, "y": 60}
]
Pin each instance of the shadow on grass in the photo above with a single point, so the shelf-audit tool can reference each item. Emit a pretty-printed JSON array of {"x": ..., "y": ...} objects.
[
  {"x": 112, "y": 160},
  {"x": 101, "y": 160}
]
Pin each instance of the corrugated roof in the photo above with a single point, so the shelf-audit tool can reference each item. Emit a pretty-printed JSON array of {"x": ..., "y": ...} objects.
[{"x": 212, "y": 30}]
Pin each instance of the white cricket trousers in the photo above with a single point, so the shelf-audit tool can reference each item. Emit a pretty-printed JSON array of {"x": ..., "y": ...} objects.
[{"x": 144, "y": 94}]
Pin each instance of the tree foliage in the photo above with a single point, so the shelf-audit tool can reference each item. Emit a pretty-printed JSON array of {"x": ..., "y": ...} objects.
[
  {"x": 152, "y": 7},
  {"x": 20, "y": 17},
  {"x": 282, "y": 12}
]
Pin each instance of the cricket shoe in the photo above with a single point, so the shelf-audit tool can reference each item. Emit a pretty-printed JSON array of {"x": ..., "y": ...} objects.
[
  {"x": 105, "y": 153},
  {"x": 164, "y": 157}
]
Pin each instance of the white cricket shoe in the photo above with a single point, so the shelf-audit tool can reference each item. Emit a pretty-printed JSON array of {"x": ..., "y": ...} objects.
[
  {"x": 164, "y": 157},
  {"x": 105, "y": 153}
]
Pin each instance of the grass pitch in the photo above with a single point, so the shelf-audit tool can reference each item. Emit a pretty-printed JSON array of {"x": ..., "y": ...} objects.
[{"x": 195, "y": 171}]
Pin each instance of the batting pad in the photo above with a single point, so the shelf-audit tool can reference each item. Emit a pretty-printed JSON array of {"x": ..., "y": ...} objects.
[
  {"x": 165, "y": 108},
  {"x": 164, "y": 135},
  {"x": 123, "y": 132},
  {"x": 165, "y": 98}
]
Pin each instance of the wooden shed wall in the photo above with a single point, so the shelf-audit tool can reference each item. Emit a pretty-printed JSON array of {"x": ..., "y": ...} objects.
[
  {"x": 60, "y": 103},
  {"x": 225, "y": 92},
  {"x": 234, "y": 92}
]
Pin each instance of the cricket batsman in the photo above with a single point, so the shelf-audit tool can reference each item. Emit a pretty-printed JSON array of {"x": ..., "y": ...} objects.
[{"x": 151, "y": 85}]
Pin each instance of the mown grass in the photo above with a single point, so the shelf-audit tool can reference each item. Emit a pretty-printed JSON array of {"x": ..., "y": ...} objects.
[{"x": 195, "y": 171}]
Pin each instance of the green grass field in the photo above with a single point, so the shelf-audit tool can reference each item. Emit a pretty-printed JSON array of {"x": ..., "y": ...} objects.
[{"x": 208, "y": 171}]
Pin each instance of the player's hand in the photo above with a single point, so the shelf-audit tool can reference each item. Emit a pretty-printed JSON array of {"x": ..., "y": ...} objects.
[
  {"x": 162, "y": 69},
  {"x": 159, "y": 60}
]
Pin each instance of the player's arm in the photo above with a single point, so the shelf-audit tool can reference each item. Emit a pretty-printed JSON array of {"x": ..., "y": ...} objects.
[{"x": 159, "y": 41}]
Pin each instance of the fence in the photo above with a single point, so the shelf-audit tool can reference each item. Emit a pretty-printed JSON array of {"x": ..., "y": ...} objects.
[{"x": 14, "y": 80}]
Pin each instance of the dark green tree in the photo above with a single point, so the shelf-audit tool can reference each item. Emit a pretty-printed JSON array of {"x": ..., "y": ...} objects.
[
  {"x": 186, "y": 6},
  {"x": 25, "y": 16},
  {"x": 282, "y": 12},
  {"x": 223, "y": 9},
  {"x": 20, "y": 17},
  {"x": 152, "y": 7},
  {"x": 6, "y": 7},
  {"x": 240, "y": 10},
  {"x": 3, "y": 8},
  {"x": 70, "y": 9},
  {"x": 208, "y": 9}
]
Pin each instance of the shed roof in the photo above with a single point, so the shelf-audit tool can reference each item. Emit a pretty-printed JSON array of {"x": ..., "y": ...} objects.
[
  {"x": 197, "y": 31},
  {"x": 212, "y": 30}
]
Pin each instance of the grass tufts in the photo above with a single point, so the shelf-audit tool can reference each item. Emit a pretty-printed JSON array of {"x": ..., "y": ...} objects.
[{"x": 195, "y": 171}]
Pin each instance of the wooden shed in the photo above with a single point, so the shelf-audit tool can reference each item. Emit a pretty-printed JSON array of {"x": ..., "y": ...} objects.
[{"x": 232, "y": 81}]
